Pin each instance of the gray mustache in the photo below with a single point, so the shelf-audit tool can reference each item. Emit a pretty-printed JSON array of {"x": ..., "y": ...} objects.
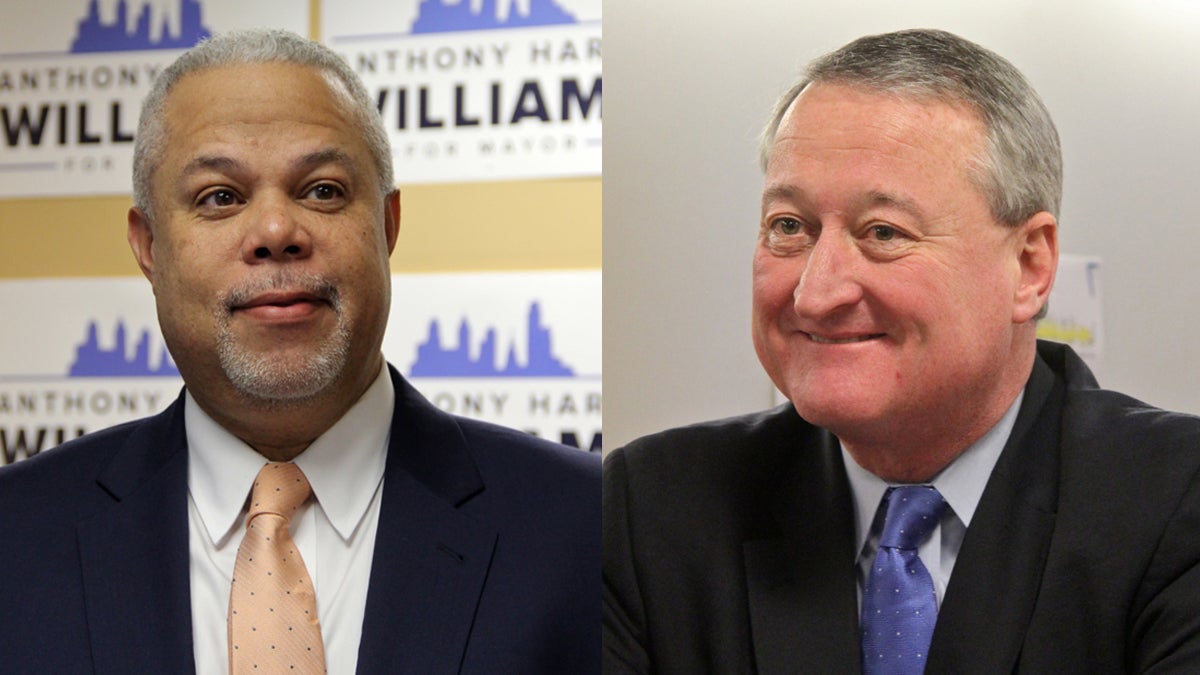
[{"x": 313, "y": 284}]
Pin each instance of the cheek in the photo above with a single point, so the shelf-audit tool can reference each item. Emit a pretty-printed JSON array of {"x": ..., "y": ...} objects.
[
  {"x": 187, "y": 277},
  {"x": 362, "y": 240},
  {"x": 167, "y": 271},
  {"x": 986, "y": 293},
  {"x": 194, "y": 251},
  {"x": 774, "y": 283},
  {"x": 960, "y": 313}
]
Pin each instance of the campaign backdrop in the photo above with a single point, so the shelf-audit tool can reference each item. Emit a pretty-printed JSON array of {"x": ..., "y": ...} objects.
[
  {"x": 521, "y": 349},
  {"x": 73, "y": 74},
  {"x": 469, "y": 90},
  {"x": 479, "y": 89}
]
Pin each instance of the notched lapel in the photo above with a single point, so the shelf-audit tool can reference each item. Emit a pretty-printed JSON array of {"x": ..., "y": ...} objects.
[
  {"x": 431, "y": 560},
  {"x": 134, "y": 555},
  {"x": 801, "y": 585},
  {"x": 996, "y": 578},
  {"x": 427, "y": 575}
]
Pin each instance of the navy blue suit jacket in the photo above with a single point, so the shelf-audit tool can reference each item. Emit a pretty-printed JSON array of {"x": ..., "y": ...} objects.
[{"x": 487, "y": 557}]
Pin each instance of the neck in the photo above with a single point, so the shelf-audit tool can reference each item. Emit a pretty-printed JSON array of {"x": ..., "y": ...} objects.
[{"x": 906, "y": 463}]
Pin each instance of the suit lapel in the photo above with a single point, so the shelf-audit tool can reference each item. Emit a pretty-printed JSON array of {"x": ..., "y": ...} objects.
[
  {"x": 997, "y": 574},
  {"x": 801, "y": 584},
  {"x": 430, "y": 559},
  {"x": 134, "y": 554}
]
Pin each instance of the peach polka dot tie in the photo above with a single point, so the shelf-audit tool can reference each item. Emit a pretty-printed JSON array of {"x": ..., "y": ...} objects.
[{"x": 273, "y": 625}]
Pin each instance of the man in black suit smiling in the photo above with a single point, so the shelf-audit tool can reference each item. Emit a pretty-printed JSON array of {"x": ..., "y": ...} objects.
[{"x": 943, "y": 493}]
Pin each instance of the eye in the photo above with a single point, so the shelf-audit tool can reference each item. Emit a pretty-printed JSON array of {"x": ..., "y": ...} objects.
[
  {"x": 788, "y": 226},
  {"x": 785, "y": 235},
  {"x": 218, "y": 198},
  {"x": 884, "y": 232},
  {"x": 886, "y": 241},
  {"x": 325, "y": 192}
]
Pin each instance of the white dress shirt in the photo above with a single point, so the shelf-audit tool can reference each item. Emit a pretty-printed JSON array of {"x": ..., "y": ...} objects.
[
  {"x": 335, "y": 531},
  {"x": 961, "y": 485}
]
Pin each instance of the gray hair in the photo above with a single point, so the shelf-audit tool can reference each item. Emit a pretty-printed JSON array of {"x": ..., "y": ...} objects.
[
  {"x": 1020, "y": 171},
  {"x": 252, "y": 47}
]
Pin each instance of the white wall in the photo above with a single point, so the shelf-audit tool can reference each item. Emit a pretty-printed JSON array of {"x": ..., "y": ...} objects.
[{"x": 688, "y": 85}]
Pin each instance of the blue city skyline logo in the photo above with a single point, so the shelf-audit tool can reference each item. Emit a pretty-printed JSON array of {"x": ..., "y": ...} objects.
[
  {"x": 443, "y": 16},
  {"x": 96, "y": 35},
  {"x": 434, "y": 360},
  {"x": 91, "y": 360}
]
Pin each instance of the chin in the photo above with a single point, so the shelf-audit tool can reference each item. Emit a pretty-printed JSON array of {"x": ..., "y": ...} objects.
[
  {"x": 284, "y": 390},
  {"x": 835, "y": 408},
  {"x": 270, "y": 379},
  {"x": 289, "y": 375}
]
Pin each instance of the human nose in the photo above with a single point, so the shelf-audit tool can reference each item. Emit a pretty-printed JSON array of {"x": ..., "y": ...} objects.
[
  {"x": 274, "y": 233},
  {"x": 830, "y": 279}
]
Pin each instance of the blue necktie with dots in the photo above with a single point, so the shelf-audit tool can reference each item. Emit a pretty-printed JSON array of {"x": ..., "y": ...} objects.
[{"x": 899, "y": 607}]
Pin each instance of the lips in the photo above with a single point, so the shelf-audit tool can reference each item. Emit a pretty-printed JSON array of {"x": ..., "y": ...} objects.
[
  {"x": 281, "y": 308},
  {"x": 286, "y": 298},
  {"x": 843, "y": 340},
  {"x": 279, "y": 299}
]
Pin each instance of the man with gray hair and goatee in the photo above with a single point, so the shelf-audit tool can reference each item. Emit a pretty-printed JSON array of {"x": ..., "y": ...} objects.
[
  {"x": 300, "y": 508},
  {"x": 943, "y": 493}
]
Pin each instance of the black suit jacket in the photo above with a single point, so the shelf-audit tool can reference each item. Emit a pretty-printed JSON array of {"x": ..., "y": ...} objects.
[
  {"x": 729, "y": 546},
  {"x": 486, "y": 558}
]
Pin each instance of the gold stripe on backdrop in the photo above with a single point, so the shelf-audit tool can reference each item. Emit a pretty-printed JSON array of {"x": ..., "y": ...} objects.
[{"x": 509, "y": 225}]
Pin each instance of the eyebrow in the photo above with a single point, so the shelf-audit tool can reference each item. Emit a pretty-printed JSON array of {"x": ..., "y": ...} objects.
[
  {"x": 327, "y": 156},
  {"x": 210, "y": 163},
  {"x": 780, "y": 192}
]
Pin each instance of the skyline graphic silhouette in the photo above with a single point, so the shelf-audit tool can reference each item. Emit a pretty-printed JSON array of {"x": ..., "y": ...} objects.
[
  {"x": 439, "y": 16},
  {"x": 91, "y": 360},
  {"x": 435, "y": 360},
  {"x": 96, "y": 35}
]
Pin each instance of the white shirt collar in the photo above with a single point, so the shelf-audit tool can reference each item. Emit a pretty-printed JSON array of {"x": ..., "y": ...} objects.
[
  {"x": 961, "y": 483},
  {"x": 343, "y": 465}
]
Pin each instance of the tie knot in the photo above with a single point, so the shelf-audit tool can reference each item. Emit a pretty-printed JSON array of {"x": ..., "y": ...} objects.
[
  {"x": 279, "y": 488},
  {"x": 912, "y": 513}
]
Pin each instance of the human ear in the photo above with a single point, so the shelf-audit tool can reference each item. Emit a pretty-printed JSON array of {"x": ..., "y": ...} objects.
[
  {"x": 1037, "y": 255},
  {"x": 391, "y": 219},
  {"x": 141, "y": 241}
]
